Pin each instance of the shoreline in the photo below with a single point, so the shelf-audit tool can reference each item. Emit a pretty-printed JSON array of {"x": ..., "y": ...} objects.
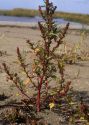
[
  {"x": 20, "y": 12},
  {"x": 34, "y": 25}
]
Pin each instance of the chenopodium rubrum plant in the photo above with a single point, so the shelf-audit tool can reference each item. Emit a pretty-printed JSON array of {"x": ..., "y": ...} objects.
[{"x": 46, "y": 64}]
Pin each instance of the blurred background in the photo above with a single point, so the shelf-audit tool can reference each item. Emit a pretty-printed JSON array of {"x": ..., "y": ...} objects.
[{"x": 76, "y": 6}]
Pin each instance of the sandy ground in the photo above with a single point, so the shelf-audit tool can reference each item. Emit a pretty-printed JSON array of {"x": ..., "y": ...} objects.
[
  {"x": 11, "y": 38},
  {"x": 73, "y": 25}
]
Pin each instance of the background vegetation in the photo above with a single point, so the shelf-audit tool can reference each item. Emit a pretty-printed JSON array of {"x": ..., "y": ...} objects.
[{"x": 82, "y": 18}]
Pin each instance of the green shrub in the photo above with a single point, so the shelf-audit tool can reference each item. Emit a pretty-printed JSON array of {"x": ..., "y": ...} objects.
[{"x": 48, "y": 68}]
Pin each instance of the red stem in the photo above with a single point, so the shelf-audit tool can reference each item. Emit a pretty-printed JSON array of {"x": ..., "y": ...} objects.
[{"x": 39, "y": 93}]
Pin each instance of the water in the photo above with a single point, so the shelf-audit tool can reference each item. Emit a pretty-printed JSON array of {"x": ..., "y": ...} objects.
[{"x": 26, "y": 19}]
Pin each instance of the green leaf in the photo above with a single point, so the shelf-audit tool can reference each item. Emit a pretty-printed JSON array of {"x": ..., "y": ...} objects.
[{"x": 54, "y": 77}]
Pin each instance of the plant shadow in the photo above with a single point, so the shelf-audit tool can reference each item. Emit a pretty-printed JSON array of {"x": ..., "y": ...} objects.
[{"x": 3, "y": 97}]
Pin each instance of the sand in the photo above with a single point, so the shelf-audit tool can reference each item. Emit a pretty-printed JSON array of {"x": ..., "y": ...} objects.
[
  {"x": 13, "y": 37},
  {"x": 73, "y": 25}
]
